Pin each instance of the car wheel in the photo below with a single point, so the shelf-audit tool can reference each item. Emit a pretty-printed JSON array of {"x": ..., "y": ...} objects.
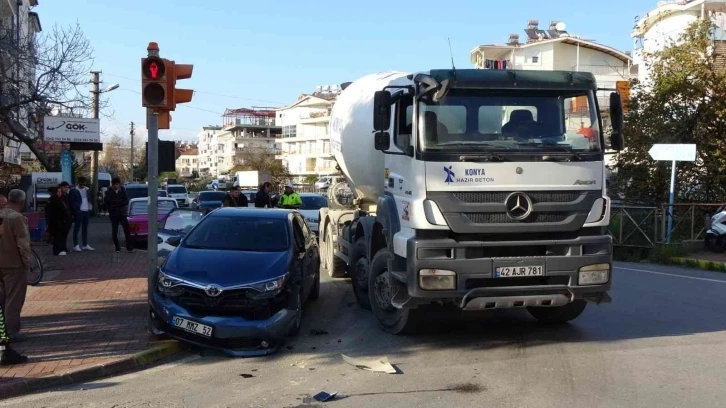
[{"x": 297, "y": 325}]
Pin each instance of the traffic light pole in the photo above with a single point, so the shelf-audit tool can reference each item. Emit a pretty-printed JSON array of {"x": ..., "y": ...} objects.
[{"x": 152, "y": 124}]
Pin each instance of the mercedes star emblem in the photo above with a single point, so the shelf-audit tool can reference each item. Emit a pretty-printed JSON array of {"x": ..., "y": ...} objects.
[
  {"x": 519, "y": 170},
  {"x": 213, "y": 290},
  {"x": 519, "y": 206}
]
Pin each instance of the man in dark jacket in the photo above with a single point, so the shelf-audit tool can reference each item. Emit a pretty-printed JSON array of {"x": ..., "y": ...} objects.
[
  {"x": 262, "y": 199},
  {"x": 117, "y": 204},
  {"x": 234, "y": 198},
  {"x": 65, "y": 189}
]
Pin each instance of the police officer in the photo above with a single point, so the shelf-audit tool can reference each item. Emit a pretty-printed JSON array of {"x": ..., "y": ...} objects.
[{"x": 290, "y": 199}]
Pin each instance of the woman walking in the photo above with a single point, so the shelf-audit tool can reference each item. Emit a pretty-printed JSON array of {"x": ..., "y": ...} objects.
[{"x": 57, "y": 215}]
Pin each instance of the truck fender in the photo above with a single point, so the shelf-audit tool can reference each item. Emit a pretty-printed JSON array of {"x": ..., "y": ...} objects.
[
  {"x": 362, "y": 227},
  {"x": 386, "y": 226}
]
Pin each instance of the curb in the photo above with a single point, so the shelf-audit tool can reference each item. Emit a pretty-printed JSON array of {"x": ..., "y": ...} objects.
[
  {"x": 711, "y": 266},
  {"x": 14, "y": 388}
]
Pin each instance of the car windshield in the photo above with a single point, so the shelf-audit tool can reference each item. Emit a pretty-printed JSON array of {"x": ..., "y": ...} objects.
[
  {"x": 529, "y": 120},
  {"x": 313, "y": 202},
  {"x": 162, "y": 193},
  {"x": 137, "y": 192},
  {"x": 181, "y": 221},
  {"x": 211, "y": 196},
  {"x": 176, "y": 190},
  {"x": 240, "y": 233},
  {"x": 142, "y": 207}
]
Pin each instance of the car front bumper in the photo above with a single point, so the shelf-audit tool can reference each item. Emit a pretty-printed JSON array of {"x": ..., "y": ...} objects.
[{"x": 234, "y": 336}]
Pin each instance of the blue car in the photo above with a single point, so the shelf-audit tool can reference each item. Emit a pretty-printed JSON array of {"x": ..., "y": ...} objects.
[
  {"x": 209, "y": 200},
  {"x": 237, "y": 281}
]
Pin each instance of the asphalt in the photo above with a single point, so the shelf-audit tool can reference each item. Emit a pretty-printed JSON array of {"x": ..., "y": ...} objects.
[{"x": 661, "y": 343}]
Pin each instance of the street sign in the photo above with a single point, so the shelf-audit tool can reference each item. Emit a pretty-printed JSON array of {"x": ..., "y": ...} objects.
[
  {"x": 673, "y": 152},
  {"x": 64, "y": 129}
]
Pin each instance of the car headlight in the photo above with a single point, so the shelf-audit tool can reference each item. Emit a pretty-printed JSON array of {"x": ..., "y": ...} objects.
[
  {"x": 168, "y": 285},
  {"x": 268, "y": 289}
]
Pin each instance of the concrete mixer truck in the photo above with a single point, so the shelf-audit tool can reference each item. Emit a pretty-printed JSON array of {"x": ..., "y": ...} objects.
[{"x": 481, "y": 189}]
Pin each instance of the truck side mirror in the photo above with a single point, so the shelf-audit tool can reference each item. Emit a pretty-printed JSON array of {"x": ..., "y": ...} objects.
[
  {"x": 616, "y": 118},
  {"x": 382, "y": 141},
  {"x": 381, "y": 111}
]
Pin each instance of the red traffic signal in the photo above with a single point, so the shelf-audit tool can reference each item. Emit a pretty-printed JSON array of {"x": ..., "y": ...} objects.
[{"x": 154, "y": 83}]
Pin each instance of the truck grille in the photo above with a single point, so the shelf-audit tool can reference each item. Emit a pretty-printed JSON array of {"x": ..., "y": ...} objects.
[
  {"x": 502, "y": 218},
  {"x": 500, "y": 196}
]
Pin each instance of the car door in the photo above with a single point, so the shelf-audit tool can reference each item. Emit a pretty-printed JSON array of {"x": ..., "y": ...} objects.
[
  {"x": 177, "y": 223},
  {"x": 306, "y": 256}
]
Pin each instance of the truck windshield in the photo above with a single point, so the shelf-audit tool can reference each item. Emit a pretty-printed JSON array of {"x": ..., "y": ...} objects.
[{"x": 519, "y": 120}]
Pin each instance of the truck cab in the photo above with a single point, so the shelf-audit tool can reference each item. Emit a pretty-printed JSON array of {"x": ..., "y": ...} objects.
[{"x": 493, "y": 196}]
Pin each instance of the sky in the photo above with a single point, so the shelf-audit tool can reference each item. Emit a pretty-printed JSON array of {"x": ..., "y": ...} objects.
[{"x": 267, "y": 53}]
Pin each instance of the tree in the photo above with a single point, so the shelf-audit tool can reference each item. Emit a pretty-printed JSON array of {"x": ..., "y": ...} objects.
[
  {"x": 684, "y": 102},
  {"x": 57, "y": 65},
  {"x": 256, "y": 159},
  {"x": 310, "y": 179},
  {"x": 116, "y": 156}
]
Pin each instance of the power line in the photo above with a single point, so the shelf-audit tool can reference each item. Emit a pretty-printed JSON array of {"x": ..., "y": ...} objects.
[
  {"x": 184, "y": 106},
  {"x": 205, "y": 92}
]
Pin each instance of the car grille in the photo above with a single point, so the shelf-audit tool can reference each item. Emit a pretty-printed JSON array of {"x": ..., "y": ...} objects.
[{"x": 237, "y": 303}]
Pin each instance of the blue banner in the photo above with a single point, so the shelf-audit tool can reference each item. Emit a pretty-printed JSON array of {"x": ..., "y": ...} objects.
[{"x": 66, "y": 164}]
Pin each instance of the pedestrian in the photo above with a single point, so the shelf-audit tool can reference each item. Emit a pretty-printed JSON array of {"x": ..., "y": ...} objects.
[
  {"x": 117, "y": 204},
  {"x": 57, "y": 215},
  {"x": 8, "y": 356},
  {"x": 290, "y": 199},
  {"x": 99, "y": 202},
  {"x": 65, "y": 189},
  {"x": 15, "y": 255},
  {"x": 234, "y": 199},
  {"x": 262, "y": 199},
  {"x": 82, "y": 206},
  {"x": 3, "y": 201}
]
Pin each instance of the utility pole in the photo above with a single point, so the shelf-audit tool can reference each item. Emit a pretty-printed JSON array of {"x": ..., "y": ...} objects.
[
  {"x": 131, "y": 177},
  {"x": 96, "y": 93}
]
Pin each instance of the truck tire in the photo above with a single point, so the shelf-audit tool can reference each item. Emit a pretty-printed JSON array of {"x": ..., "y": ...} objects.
[
  {"x": 333, "y": 265},
  {"x": 391, "y": 320},
  {"x": 558, "y": 314},
  {"x": 359, "y": 267}
]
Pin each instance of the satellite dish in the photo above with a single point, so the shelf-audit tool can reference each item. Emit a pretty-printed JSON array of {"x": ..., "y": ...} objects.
[{"x": 560, "y": 26}]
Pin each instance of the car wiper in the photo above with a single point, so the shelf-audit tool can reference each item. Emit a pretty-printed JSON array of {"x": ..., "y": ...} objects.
[
  {"x": 491, "y": 157},
  {"x": 562, "y": 157},
  {"x": 570, "y": 155}
]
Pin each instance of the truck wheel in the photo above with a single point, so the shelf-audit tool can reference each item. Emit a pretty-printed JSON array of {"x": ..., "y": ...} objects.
[
  {"x": 334, "y": 265},
  {"x": 558, "y": 314},
  {"x": 380, "y": 293},
  {"x": 359, "y": 273}
]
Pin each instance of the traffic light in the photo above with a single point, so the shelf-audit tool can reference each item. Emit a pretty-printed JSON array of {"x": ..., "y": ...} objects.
[
  {"x": 174, "y": 73},
  {"x": 154, "y": 83}
]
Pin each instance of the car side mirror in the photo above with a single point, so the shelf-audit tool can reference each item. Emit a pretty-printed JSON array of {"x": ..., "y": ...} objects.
[
  {"x": 382, "y": 141},
  {"x": 616, "y": 118},
  {"x": 381, "y": 111},
  {"x": 174, "y": 241}
]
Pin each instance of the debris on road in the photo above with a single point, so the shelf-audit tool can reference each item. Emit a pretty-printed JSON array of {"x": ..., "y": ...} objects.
[
  {"x": 320, "y": 397},
  {"x": 380, "y": 366},
  {"x": 246, "y": 375},
  {"x": 318, "y": 332}
]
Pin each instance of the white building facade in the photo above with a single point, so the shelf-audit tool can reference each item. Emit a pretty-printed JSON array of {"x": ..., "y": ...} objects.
[
  {"x": 305, "y": 141},
  {"x": 18, "y": 21},
  {"x": 667, "y": 23},
  {"x": 187, "y": 164}
]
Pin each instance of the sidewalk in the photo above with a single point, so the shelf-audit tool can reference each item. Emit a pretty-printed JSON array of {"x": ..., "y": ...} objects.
[{"x": 86, "y": 319}]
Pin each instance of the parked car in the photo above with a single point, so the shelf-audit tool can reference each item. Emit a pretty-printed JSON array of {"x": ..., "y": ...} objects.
[
  {"x": 177, "y": 223},
  {"x": 134, "y": 190},
  {"x": 310, "y": 210},
  {"x": 250, "y": 194},
  {"x": 139, "y": 215},
  {"x": 237, "y": 281},
  {"x": 162, "y": 193},
  {"x": 180, "y": 193},
  {"x": 209, "y": 200}
]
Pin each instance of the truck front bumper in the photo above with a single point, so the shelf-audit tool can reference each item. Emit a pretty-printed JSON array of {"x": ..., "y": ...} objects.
[{"x": 475, "y": 263}]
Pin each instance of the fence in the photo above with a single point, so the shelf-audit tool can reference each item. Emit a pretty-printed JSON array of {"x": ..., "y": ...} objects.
[{"x": 645, "y": 226}]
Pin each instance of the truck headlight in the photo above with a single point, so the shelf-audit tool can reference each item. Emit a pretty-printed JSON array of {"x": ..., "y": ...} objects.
[
  {"x": 437, "y": 279},
  {"x": 596, "y": 274}
]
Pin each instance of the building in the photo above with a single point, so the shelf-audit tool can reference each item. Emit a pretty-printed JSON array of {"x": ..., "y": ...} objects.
[
  {"x": 18, "y": 23},
  {"x": 244, "y": 131},
  {"x": 556, "y": 49},
  {"x": 187, "y": 164},
  {"x": 667, "y": 22},
  {"x": 305, "y": 141}
]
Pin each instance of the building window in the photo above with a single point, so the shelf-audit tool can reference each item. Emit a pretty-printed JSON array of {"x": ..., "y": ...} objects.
[
  {"x": 289, "y": 131},
  {"x": 535, "y": 60}
]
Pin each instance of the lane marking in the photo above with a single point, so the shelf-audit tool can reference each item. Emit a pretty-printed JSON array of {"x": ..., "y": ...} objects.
[{"x": 670, "y": 274}]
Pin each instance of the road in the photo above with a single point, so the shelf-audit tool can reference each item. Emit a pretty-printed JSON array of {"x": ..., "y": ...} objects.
[{"x": 659, "y": 344}]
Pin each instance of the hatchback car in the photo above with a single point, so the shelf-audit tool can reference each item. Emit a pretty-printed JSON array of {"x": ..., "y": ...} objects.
[{"x": 237, "y": 281}]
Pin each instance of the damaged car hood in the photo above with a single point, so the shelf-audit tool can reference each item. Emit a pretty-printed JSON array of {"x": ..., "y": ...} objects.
[{"x": 225, "y": 268}]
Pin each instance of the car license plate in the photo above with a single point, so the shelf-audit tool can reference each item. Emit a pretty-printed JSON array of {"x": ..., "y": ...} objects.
[
  {"x": 518, "y": 271},
  {"x": 193, "y": 327}
]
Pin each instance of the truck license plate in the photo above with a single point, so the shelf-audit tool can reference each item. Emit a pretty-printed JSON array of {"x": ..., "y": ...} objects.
[{"x": 518, "y": 271}]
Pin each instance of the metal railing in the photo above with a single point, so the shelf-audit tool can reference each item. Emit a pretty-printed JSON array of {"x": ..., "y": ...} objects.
[{"x": 645, "y": 226}]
